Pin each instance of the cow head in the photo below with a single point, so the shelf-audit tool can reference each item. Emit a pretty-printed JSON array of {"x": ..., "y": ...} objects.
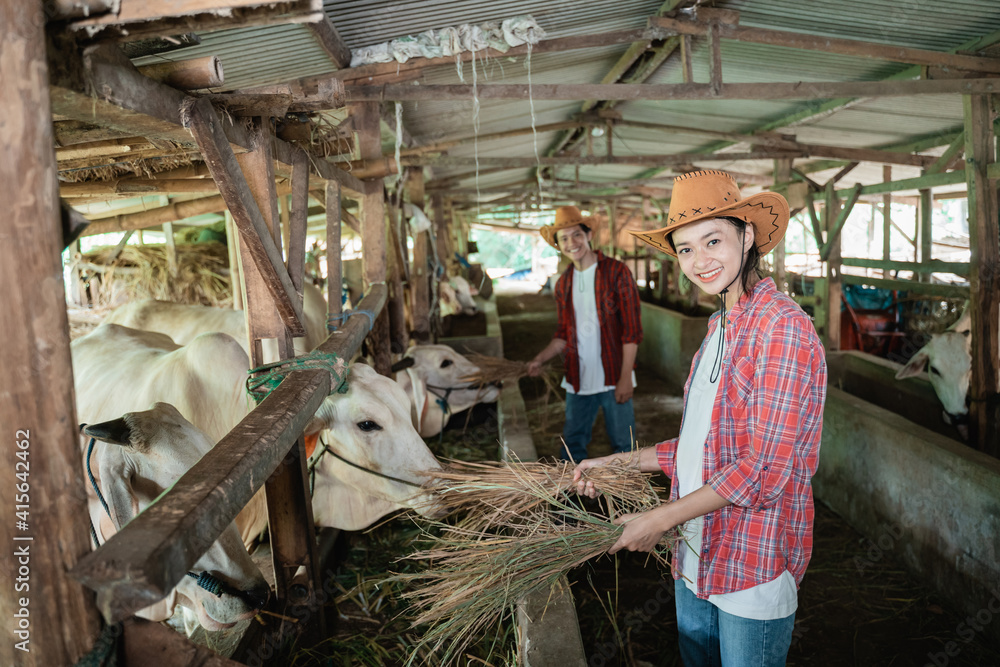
[
  {"x": 455, "y": 297},
  {"x": 140, "y": 456},
  {"x": 948, "y": 361},
  {"x": 369, "y": 426},
  {"x": 438, "y": 386},
  {"x": 464, "y": 291}
]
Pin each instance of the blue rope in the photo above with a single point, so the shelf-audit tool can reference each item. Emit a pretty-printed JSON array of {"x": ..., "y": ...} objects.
[
  {"x": 343, "y": 317},
  {"x": 272, "y": 374}
]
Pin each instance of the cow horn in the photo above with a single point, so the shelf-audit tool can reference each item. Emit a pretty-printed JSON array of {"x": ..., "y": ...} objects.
[
  {"x": 116, "y": 432},
  {"x": 402, "y": 364}
]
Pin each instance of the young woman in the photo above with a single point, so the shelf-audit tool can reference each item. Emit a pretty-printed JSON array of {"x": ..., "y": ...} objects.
[{"x": 749, "y": 440}]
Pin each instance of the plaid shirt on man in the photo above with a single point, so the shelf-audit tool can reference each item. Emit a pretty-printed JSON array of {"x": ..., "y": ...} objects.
[
  {"x": 617, "y": 309},
  {"x": 763, "y": 445}
]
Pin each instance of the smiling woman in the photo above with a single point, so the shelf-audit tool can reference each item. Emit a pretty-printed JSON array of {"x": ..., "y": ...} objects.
[{"x": 749, "y": 438}]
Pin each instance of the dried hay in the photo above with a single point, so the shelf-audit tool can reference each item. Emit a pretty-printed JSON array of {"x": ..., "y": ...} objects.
[
  {"x": 521, "y": 534},
  {"x": 143, "y": 168},
  {"x": 141, "y": 272}
]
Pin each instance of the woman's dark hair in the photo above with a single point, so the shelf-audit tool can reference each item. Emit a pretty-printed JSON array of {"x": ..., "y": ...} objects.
[
  {"x": 585, "y": 228},
  {"x": 751, "y": 265}
]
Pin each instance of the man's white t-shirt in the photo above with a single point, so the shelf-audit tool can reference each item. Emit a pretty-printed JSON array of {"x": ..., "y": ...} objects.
[
  {"x": 771, "y": 600},
  {"x": 588, "y": 335}
]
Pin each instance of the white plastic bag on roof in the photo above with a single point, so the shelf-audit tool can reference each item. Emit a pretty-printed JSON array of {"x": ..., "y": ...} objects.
[{"x": 452, "y": 41}]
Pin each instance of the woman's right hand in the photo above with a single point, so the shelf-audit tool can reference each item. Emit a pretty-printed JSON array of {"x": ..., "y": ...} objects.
[{"x": 587, "y": 487}]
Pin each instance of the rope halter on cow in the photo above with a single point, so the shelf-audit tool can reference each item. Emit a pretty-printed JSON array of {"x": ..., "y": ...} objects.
[{"x": 271, "y": 375}]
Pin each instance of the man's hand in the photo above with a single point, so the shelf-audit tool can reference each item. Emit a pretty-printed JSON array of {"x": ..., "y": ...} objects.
[
  {"x": 624, "y": 389},
  {"x": 642, "y": 531},
  {"x": 534, "y": 368}
]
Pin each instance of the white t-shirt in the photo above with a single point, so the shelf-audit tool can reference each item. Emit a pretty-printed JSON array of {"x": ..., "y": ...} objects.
[
  {"x": 588, "y": 335},
  {"x": 771, "y": 600}
]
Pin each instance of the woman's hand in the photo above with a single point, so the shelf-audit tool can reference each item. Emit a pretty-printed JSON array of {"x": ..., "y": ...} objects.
[
  {"x": 586, "y": 487},
  {"x": 642, "y": 531}
]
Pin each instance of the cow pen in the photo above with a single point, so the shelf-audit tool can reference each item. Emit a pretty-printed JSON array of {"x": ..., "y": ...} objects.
[{"x": 312, "y": 121}]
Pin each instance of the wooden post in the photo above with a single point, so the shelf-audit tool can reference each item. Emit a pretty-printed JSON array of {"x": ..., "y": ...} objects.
[
  {"x": 926, "y": 231},
  {"x": 41, "y": 448},
  {"x": 984, "y": 274},
  {"x": 782, "y": 174},
  {"x": 833, "y": 285},
  {"x": 645, "y": 261},
  {"x": 398, "y": 337},
  {"x": 171, "y": 248},
  {"x": 373, "y": 228},
  {"x": 334, "y": 268},
  {"x": 235, "y": 272},
  {"x": 295, "y": 219},
  {"x": 886, "y": 219},
  {"x": 289, "y": 510},
  {"x": 441, "y": 269},
  {"x": 420, "y": 272}
]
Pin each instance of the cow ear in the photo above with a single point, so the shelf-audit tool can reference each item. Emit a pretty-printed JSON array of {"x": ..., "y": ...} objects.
[
  {"x": 116, "y": 483},
  {"x": 115, "y": 432},
  {"x": 914, "y": 366},
  {"x": 402, "y": 364}
]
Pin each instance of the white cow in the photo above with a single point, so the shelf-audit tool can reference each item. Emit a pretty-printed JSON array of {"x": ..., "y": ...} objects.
[
  {"x": 135, "y": 458},
  {"x": 455, "y": 296},
  {"x": 948, "y": 361},
  {"x": 117, "y": 368},
  {"x": 436, "y": 382},
  {"x": 182, "y": 322}
]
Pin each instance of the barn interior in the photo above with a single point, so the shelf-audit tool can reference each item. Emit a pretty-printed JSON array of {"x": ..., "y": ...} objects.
[{"x": 231, "y": 151}]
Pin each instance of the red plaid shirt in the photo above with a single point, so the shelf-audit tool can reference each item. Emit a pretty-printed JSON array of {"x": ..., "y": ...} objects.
[
  {"x": 763, "y": 446},
  {"x": 617, "y": 310}
]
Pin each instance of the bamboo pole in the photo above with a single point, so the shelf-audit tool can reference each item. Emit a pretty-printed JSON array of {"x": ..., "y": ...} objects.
[{"x": 194, "y": 74}]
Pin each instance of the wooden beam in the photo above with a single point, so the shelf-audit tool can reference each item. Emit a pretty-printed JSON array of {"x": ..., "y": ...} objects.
[
  {"x": 193, "y": 74},
  {"x": 297, "y": 221},
  {"x": 920, "y": 182},
  {"x": 334, "y": 266},
  {"x": 984, "y": 274},
  {"x": 148, "y": 643},
  {"x": 825, "y": 44},
  {"x": 420, "y": 274},
  {"x": 931, "y": 266},
  {"x": 833, "y": 236},
  {"x": 136, "y": 187},
  {"x": 141, "y": 563},
  {"x": 373, "y": 229},
  {"x": 331, "y": 41},
  {"x": 60, "y": 621},
  {"x": 206, "y": 128},
  {"x": 955, "y": 149},
  {"x": 803, "y": 90},
  {"x": 506, "y": 134}
]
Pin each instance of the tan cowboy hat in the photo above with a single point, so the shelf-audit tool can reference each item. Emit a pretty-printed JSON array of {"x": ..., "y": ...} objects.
[
  {"x": 703, "y": 195},
  {"x": 566, "y": 216}
]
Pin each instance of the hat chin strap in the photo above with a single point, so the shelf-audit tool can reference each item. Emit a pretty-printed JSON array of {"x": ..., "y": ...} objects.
[{"x": 717, "y": 363}]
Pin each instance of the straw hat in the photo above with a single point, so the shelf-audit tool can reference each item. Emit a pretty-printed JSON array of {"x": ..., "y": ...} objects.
[
  {"x": 703, "y": 195},
  {"x": 566, "y": 216}
]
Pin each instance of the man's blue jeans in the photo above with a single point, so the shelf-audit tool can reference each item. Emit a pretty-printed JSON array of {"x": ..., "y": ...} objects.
[
  {"x": 581, "y": 412},
  {"x": 709, "y": 637}
]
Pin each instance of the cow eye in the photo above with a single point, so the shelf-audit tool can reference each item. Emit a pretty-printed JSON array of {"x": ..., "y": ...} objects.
[
  {"x": 446, "y": 363},
  {"x": 368, "y": 426}
]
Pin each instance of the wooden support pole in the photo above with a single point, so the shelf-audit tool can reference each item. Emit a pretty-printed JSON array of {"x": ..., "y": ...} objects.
[
  {"x": 38, "y": 414},
  {"x": 420, "y": 275},
  {"x": 194, "y": 74},
  {"x": 440, "y": 226},
  {"x": 247, "y": 213},
  {"x": 235, "y": 272},
  {"x": 782, "y": 174},
  {"x": 886, "y": 220},
  {"x": 373, "y": 228},
  {"x": 715, "y": 66},
  {"x": 832, "y": 258},
  {"x": 833, "y": 236},
  {"x": 297, "y": 218},
  {"x": 171, "y": 248},
  {"x": 398, "y": 337},
  {"x": 334, "y": 267},
  {"x": 984, "y": 275}
]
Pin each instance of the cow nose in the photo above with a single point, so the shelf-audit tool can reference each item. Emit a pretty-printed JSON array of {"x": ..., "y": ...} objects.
[
  {"x": 256, "y": 598},
  {"x": 497, "y": 383}
]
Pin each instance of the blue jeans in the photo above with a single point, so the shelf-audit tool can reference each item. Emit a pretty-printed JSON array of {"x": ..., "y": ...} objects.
[
  {"x": 581, "y": 412},
  {"x": 709, "y": 637}
]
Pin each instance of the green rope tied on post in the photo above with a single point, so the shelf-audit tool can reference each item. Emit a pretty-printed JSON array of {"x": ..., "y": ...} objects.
[{"x": 271, "y": 375}]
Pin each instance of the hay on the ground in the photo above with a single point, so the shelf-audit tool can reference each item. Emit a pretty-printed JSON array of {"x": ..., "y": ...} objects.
[{"x": 141, "y": 272}]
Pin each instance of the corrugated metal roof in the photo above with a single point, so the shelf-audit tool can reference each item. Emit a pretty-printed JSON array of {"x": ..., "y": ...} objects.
[{"x": 257, "y": 56}]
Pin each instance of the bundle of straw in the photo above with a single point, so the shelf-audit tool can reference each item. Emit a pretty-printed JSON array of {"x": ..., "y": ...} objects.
[
  {"x": 495, "y": 369},
  {"x": 521, "y": 533}
]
